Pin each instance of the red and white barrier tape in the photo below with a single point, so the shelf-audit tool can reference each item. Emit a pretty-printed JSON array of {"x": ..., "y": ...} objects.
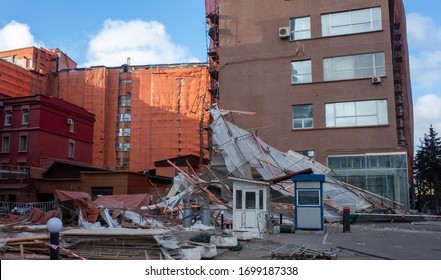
[{"x": 55, "y": 247}]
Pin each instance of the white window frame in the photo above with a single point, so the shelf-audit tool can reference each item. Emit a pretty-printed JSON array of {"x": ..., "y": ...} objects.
[
  {"x": 25, "y": 111},
  {"x": 333, "y": 25},
  {"x": 336, "y": 119},
  {"x": 301, "y": 72},
  {"x": 8, "y": 116},
  {"x": 303, "y": 120},
  {"x": 300, "y": 28},
  {"x": 71, "y": 148},
  {"x": 348, "y": 67}
]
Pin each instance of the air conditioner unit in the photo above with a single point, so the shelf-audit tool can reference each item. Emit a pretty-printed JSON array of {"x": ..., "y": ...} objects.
[
  {"x": 69, "y": 121},
  {"x": 284, "y": 32},
  {"x": 376, "y": 80}
]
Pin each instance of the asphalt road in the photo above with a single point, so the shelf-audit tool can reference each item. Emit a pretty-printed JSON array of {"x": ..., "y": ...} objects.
[{"x": 373, "y": 241}]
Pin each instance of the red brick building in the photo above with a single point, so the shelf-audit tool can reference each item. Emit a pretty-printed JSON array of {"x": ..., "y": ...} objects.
[
  {"x": 143, "y": 113},
  {"x": 36, "y": 127}
]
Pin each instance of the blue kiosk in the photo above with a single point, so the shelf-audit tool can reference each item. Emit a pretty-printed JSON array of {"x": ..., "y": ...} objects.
[{"x": 308, "y": 189}]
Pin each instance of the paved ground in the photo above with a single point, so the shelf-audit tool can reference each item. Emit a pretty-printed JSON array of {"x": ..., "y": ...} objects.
[
  {"x": 365, "y": 241},
  {"x": 401, "y": 241}
]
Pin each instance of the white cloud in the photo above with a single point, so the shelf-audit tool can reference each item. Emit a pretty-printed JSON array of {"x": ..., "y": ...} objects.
[
  {"x": 423, "y": 33},
  {"x": 426, "y": 69},
  {"x": 15, "y": 35},
  {"x": 424, "y": 37},
  {"x": 144, "y": 42},
  {"x": 427, "y": 112}
]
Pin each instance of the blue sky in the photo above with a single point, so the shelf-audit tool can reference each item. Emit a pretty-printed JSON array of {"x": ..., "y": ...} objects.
[
  {"x": 103, "y": 32},
  {"x": 72, "y": 25}
]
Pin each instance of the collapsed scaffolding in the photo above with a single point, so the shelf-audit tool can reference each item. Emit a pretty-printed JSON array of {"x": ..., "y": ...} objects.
[{"x": 238, "y": 153}]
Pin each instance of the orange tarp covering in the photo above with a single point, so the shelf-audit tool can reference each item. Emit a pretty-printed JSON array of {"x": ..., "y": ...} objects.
[
  {"x": 127, "y": 202},
  {"x": 67, "y": 195},
  {"x": 17, "y": 81},
  {"x": 90, "y": 212},
  {"x": 35, "y": 216},
  {"x": 83, "y": 200}
]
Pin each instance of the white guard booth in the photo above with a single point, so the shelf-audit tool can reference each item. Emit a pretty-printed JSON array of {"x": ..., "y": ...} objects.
[{"x": 250, "y": 205}]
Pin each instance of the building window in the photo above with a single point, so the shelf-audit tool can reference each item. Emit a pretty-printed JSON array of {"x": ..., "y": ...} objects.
[
  {"x": 301, "y": 72},
  {"x": 354, "y": 66},
  {"x": 358, "y": 113},
  {"x": 125, "y": 101},
  {"x": 6, "y": 142},
  {"x": 126, "y": 147},
  {"x": 310, "y": 153},
  {"x": 300, "y": 28},
  {"x": 25, "y": 116},
  {"x": 123, "y": 131},
  {"x": 250, "y": 200},
  {"x": 23, "y": 144},
  {"x": 383, "y": 174},
  {"x": 122, "y": 163},
  {"x": 29, "y": 63},
  {"x": 308, "y": 197},
  {"x": 123, "y": 147},
  {"x": 302, "y": 116},
  {"x": 238, "y": 199},
  {"x": 7, "y": 58},
  {"x": 351, "y": 22},
  {"x": 124, "y": 117},
  {"x": 261, "y": 205},
  {"x": 8, "y": 117},
  {"x": 71, "y": 149}
]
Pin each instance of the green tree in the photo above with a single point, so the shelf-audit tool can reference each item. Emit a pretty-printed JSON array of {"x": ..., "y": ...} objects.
[{"x": 427, "y": 168}]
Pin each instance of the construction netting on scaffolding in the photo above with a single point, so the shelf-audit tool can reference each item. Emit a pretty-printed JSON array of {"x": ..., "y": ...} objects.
[
  {"x": 162, "y": 118},
  {"x": 246, "y": 156},
  {"x": 17, "y": 81}
]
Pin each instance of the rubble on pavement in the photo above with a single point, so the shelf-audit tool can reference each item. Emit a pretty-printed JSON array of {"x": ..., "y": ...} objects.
[{"x": 134, "y": 227}]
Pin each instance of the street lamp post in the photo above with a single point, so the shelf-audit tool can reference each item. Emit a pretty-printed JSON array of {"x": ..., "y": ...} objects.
[{"x": 54, "y": 225}]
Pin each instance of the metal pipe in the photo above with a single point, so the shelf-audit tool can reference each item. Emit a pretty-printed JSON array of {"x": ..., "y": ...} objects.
[{"x": 346, "y": 220}]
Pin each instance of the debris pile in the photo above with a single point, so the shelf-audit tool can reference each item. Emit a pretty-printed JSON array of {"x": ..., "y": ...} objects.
[
  {"x": 25, "y": 248},
  {"x": 121, "y": 244},
  {"x": 302, "y": 252},
  {"x": 133, "y": 227}
]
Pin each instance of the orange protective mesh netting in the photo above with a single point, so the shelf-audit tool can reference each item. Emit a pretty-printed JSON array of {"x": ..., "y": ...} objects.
[
  {"x": 17, "y": 81},
  {"x": 167, "y": 105}
]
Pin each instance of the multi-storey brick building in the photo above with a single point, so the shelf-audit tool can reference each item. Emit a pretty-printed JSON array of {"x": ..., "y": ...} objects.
[
  {"x": 143, "y": 113},
  {"x": 329, "y": 79},
  {"x": 34, "y": 128}
]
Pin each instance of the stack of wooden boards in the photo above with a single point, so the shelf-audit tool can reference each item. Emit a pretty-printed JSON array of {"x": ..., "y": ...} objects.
[
  {"x": 30, "y": 248},
  {"x": 98, "y": 244},
  {"x": 119, "y": 244}
]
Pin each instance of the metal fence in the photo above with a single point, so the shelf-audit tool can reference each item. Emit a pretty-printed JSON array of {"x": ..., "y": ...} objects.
[{"x": 20, "y": 208}]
